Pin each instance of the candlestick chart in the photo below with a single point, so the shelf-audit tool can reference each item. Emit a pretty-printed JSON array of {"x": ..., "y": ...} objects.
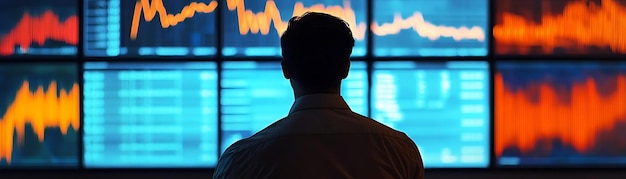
[
  {"x": 560, "y": 114},
  {"x": 150, "y": 28},
  {"x": 253, "y": 28},
  {"x": 560, "y": 27},
  {"x": 43, "y": 27},
  {"x": 40, "y": 117},
  {"x": 430, "y": 28}
]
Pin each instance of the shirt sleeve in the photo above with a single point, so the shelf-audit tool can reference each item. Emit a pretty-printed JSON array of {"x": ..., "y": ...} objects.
[
  {"x": 226, "y": 163},
  {"x": 416, "y": 156}
]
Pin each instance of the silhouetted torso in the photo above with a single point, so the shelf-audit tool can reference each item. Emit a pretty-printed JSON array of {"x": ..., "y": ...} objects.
[{"x": 322, "y": 138}]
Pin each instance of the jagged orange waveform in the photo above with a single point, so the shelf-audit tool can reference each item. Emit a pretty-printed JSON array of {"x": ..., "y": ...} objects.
[
  {"x": 41, "y": 110},
  {"x": 251, "y": 22},
  {"x": 579, "y": 26},
  {"x": 151, "y": 9},
  {"x": 521, "y": 123},
  {"x": 426, "y": 29},
  {"x": 37, "y": 30}
]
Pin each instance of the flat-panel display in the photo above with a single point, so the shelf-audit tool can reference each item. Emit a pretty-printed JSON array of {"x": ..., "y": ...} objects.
[
  {"x": 38, "y": 28},
  {"x": 39, "y": 115},
  {"x": 254, "y": 27},
  {"x": 560, "y": 114},
  {"x": 442, "y": 106},
  {"x": 430, "y": 28},
  {"x": 139, "y": 28},
  {"x": 150, "y": 115}
]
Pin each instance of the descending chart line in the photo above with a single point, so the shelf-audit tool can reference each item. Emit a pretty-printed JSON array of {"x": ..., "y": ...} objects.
[{"x": 426, "y": 29}]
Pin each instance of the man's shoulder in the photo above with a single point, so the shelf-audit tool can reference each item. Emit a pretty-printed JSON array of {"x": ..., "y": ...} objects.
[{"x": 382, "y": 128}]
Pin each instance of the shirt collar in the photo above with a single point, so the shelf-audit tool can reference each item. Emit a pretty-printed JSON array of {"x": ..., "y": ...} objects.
[{"x": 318, "y": 101}]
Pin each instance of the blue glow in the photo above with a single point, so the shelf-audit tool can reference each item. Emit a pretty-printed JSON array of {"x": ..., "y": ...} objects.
[
  {"x": 269, "y": 45},
  {"x": 150, "y": 115},
  {"x": 245, "y": 98},
  {"x": 204, "y": 51},
  {"x": 409, "y": 41},
  {"x": 443, "y": 110}
]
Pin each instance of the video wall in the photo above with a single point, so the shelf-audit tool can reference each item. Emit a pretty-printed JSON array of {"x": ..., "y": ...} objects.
[{"x": 105, "y": 84}]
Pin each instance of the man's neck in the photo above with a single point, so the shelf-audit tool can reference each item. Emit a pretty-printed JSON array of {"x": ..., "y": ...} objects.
[{"x": 298, "y": 91}]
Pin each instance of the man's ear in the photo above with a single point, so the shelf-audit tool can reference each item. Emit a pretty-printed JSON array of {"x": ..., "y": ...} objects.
[
  {"x": 346, "y": 71},
  {"x": 285, "y": 70}
]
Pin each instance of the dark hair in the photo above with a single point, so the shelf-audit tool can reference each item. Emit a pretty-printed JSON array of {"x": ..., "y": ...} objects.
[{"x": 316, "y": 48}]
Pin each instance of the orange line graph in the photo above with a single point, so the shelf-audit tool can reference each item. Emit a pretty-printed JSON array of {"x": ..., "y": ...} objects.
[
  {"x": 251, "y": 22},
  {"x": 39, "y": 29},
  {"x": 150, "y": 10},
  {"x": 579, "y": 26},
  {"x": 40, "y": 109},
  {"x": 426, "y": 29},
  {"x": 520, "y": 122}
]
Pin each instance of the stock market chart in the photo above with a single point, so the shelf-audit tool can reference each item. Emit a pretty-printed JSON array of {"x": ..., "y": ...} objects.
[
  {"x": 558, "y": 27},
  {"x": 430, "y": 28},
  {"x": 443, "y": 107},
  {"x": 39, "y": 115},
  {"x": 150, "y": 115},
  {"x": 560, "y": 114},
  {"x": 254, "y": 27},
  {"x": 256, "y": 94},
  {"x": 38, "y": 27},
  {"x": 179, "y": 28}
]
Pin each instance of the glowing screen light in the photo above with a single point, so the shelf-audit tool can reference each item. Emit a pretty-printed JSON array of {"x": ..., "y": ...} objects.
[
  {"x": 180, "y": 28},
  {"x": 442, "y": 106},
  {"x": 256, "y": 94},
  {"x": 253, "y": 27},
  {"x": 555, "y": 114},
  {"x": 150, "y": 115},
  {"x": 430, "y": 28}
]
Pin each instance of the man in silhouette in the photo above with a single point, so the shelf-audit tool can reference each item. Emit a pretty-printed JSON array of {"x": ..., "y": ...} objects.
[{"x": 321, "y": 137}]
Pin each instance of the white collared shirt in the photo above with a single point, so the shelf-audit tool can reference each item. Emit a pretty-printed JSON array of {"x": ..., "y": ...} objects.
[{"x": 322, "y": 138}]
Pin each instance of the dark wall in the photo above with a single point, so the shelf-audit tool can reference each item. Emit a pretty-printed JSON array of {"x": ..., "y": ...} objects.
[{"x": 569, "y": 174}]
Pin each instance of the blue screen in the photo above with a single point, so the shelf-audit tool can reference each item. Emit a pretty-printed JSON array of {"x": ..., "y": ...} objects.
[
  {"x": 257, "y": 31},
  {"x": 150, "y": 28},
  {"x": 430, "y": 28},
  {"x": 150, "y": 115},
  {"x": 443, "y": 107},
  {"x": 38, "y": 27},
  {"x": 256, "y": 94},
  {"x": 560, "y": 114},
  {"x": 39, "y": 115}
]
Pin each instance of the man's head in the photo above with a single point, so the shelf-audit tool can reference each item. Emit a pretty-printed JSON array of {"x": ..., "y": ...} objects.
[{"x": 316, "y": 50}]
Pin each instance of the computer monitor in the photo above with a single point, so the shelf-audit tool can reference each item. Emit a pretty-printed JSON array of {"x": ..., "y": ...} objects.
[
  {"x": 41, "y": 28},
  {"x": 430, "y": 28},
  {"x": 559, "y": 27},
  {"x": 442, "y": 106},
  {"x": 256, "y": 94},
  {"x": 254, "y": 27},
  {"x": 150, "y": 28},
  {"x": 150, "y": 115},
  {"x": 560, "y": 114},
  {"x": 39, "y": 115}
]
